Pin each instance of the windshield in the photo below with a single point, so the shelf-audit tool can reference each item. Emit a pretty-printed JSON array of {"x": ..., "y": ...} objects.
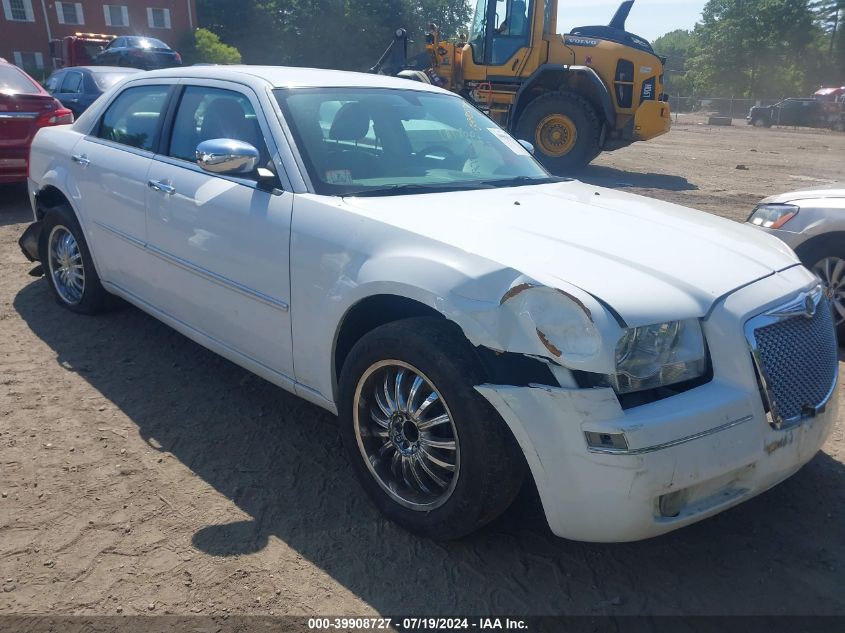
[
  {"x": 372, "y": 140},
  {"x": 146, "y": 42},
  {"x": 477, "y": 31}
]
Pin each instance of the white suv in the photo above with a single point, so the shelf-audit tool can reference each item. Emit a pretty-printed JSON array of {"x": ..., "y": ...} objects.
[{"x": 382, "y": 249}]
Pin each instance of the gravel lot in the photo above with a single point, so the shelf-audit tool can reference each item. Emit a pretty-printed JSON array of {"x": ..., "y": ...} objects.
[{"x": 140, "y": 473}]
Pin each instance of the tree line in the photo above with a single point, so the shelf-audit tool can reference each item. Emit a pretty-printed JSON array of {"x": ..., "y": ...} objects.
[
  {"x": 341, "y": 34},
  {"x": 741, "y": 48},
  {"x": 758, "y": 48}
]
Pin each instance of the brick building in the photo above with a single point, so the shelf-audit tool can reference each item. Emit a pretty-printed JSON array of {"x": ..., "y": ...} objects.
[{"x": 27, "y": 26}]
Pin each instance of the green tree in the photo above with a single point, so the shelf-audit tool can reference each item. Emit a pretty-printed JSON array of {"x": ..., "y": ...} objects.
[
  {"x": 753, "y": 47},
  {"x": 830, "y": 14},
  {"x": 676, "y": 46},
  {"x": 342, "y": 34},
  {"x": 831, "y": 19},
  {"x": 204, "y": 46}
]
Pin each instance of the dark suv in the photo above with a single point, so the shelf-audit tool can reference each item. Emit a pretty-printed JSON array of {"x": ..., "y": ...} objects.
[{"x": 792, "y": 111}]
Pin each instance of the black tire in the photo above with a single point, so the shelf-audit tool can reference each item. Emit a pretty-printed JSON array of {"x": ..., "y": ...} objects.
[
  {"x": 812, "y": 254},
  {"x": 94, "y": 297},
  {"x": 491, "y": 466},
  {"x": 588, "y": 129}
]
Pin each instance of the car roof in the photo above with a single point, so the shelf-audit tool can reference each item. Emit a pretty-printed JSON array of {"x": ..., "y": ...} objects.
[
  {"x": 294, "y": 77},
  {"x": 104, "y": 69}
]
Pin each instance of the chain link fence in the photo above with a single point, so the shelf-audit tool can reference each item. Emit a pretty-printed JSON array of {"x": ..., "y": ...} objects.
[{"x": 734, "y": 108}]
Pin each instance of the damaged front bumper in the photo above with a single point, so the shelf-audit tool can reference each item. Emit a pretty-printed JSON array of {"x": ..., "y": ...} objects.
[
  {"x": 626, "y": 495},
  {"x": 679, "y": 460}
]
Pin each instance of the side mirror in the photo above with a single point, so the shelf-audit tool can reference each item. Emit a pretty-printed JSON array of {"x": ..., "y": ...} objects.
[
  {"x": 227, "y": 156},
  {"x": 527, "y": 146}
]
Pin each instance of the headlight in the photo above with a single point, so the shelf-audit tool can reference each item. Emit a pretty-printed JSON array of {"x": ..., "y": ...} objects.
[
  {"x": 659, "y": 355},
  {"x": 772, "y": 216},
  {"x": 561, "y": 323}
]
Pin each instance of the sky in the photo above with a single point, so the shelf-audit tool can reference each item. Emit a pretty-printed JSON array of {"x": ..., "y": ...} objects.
[{"x": 649, "y": 18}]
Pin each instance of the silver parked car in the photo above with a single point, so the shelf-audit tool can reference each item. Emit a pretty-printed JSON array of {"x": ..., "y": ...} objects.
[{"x": 812, "y": 223}]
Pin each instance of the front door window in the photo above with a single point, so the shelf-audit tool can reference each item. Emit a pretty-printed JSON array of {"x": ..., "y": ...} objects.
[{"x": 512, "y": 32}]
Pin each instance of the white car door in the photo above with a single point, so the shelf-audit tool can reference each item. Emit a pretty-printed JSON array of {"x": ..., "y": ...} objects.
[
  {"x": 220, "y": 244},
  {"x": 110, "y": 167}
]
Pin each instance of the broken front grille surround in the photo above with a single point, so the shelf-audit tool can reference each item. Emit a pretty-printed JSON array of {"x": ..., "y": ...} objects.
[{"x": 795, "y": 353}]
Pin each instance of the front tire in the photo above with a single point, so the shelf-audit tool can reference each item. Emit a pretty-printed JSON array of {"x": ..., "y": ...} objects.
[
  {"x": 68, "y": 265},
  {"x": 431, "y": 453},
  {"x": 564, "y": 129},
  {"x": 827, "y": 260}
]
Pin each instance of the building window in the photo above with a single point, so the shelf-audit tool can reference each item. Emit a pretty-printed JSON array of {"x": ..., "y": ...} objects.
[
  {"x": 158, "y": 18},
  {"x": 69, "y": 13},
  {"x": 29, "y": 61},
  {"x": 116, "y": 15},
  {"x": 18, "y": 10}
]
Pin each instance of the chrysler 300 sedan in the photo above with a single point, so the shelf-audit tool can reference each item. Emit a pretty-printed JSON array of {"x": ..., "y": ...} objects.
[{"x": 382, "y": 249}]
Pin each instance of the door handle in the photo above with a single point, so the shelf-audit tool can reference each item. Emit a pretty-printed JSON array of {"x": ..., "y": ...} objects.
[
  {"x": 82, "y": 159},
  {"x": 163, "y": 187}
]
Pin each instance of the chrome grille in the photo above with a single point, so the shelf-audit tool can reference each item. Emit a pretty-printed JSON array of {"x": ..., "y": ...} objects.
[{"x": 796, "y": 354}]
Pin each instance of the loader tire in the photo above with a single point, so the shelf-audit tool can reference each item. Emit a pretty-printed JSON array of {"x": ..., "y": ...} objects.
[{"x": 564, "y": 129}]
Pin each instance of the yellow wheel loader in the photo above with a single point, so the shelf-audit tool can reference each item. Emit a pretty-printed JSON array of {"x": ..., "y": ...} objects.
[{"x": 572, "y": 96}]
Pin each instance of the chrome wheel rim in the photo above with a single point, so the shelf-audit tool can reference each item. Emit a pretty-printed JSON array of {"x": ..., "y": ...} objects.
[
  {"x": 831, "y": 271},
  {"x": 65, "y": 263},
  {"x": 406, "y": 435}
]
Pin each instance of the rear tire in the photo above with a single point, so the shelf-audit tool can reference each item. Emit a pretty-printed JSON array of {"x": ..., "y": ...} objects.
[
  {"x": 68, "y": 265},
  {"x": 441, "y": 480},
  {"x": 564, "y": 129}
]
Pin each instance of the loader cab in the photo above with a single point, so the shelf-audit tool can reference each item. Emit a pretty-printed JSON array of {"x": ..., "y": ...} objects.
[{"x": 501, "y": 28}]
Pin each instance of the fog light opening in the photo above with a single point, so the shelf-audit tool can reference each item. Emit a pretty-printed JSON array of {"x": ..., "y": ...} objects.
[
  {"x": 613, "y": 441},
  {"x": 670, "y": 505}
]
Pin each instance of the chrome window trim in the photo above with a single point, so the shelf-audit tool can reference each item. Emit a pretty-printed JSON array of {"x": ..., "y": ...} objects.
[{"x": 804, "y": 304}]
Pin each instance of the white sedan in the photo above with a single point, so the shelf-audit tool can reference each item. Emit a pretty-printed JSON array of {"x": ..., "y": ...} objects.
[{"x": 382, "y": 249}]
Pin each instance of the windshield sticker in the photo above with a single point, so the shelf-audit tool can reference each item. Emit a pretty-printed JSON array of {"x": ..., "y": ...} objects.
[
  {"x": 511, "y": 143},
  {"x": 339, "y": 177}
]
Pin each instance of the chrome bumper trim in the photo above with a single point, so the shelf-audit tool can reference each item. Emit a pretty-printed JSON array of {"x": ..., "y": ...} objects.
[{"x": 678, "y": 442}]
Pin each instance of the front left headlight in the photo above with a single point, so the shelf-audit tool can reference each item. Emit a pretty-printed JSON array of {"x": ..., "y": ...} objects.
[
  {"x": 659, "y": 355},
  {"x": 772, "y": 216}
]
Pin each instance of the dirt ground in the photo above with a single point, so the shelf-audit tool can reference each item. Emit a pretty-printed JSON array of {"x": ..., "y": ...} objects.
[{"x": 142, "y": 474}]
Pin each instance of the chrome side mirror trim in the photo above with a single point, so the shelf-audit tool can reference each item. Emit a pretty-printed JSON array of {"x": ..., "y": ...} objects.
[
  {"x": 527, "y": 145},
  {"x": 227, "y": 156}
]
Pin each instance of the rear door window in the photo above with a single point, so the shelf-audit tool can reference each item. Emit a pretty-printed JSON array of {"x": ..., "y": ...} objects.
[
  {"x": 134, "y": 117},
  {"x": 72, "y": 83}
]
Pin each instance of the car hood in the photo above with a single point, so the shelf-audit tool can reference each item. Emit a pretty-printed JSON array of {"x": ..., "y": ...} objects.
[
  {"x": 835, "y": 191},
  {"x": 649, "y": 260}
]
